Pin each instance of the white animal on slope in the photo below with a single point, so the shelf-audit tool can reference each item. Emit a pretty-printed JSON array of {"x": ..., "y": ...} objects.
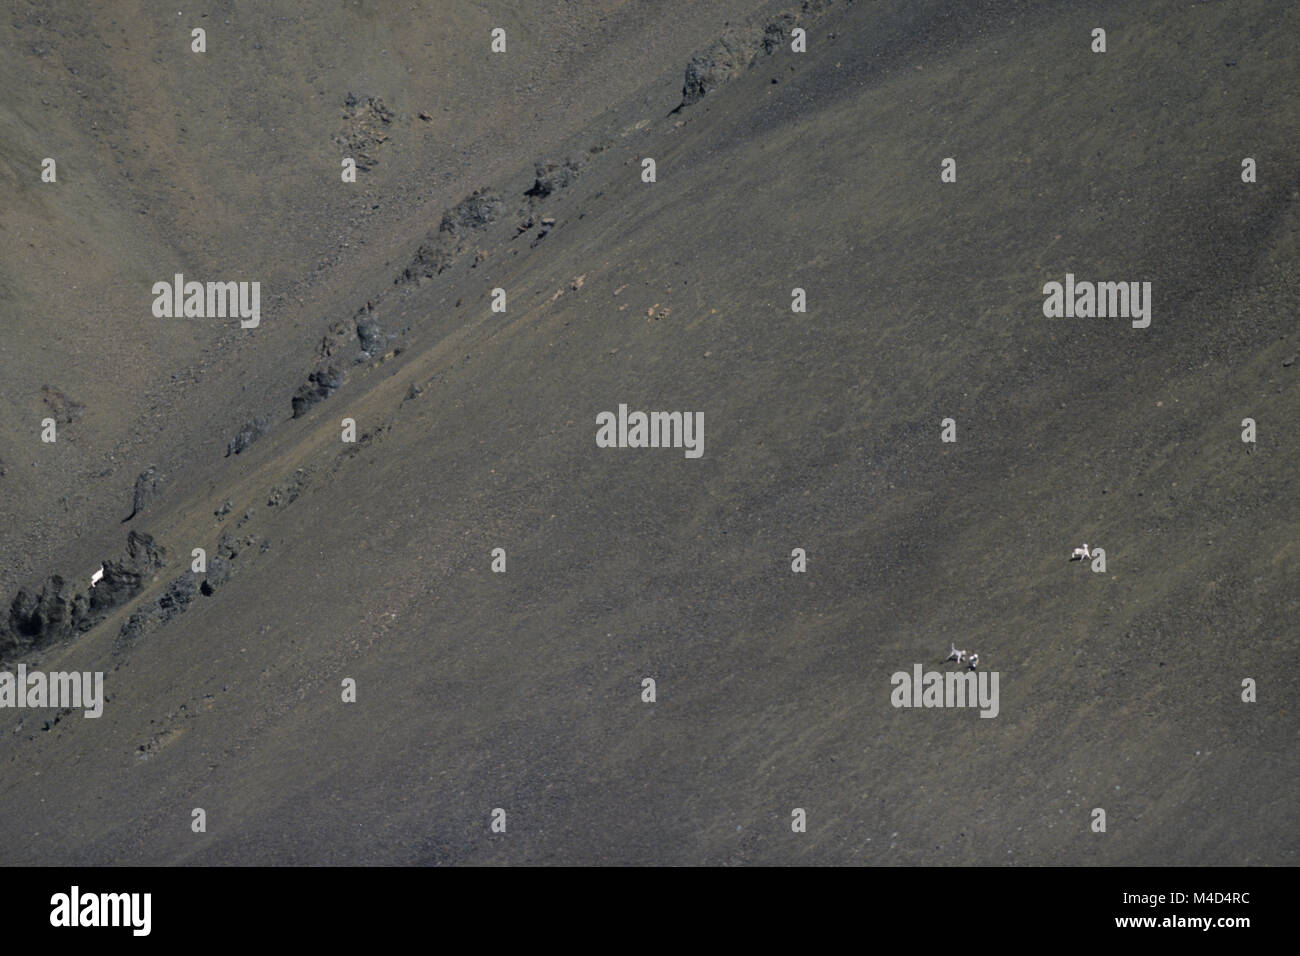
[
  {"x": 974, "y": 660},
  {"x": 955, "y": 655},
  {"x": 95, "y": 578},
  {"x": 1080, "y": 554}
]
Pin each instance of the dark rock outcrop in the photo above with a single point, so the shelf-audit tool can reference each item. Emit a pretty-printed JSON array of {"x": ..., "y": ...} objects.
[
  {"x": 40, "y": 617},
  {"x": 365, "y": 124},
  {"x": 250, "y": 433},
  {"x": 180, "y": 592},
  {"x": 218, "y": 573},
  {"x": 288, "y": 493},
  {"x": 229, "y": 546},
  {"x": 442, "y": 248},
  {"x": 56, "y": 612},
  {"x": 552, "y": 177},
  {"x": 477, "y": 210},
  {"x": 126, "y": 577},
  {"x": 357, "y": 340},
  {"x": 726, "y": 58},
  {"x": 147, "y": 488},
  {"x": 736, "y": 50},
  {"x": 320, "y": 385},
  {"x": 434, "y": 256},
  {"x": 371, "y": 336}
]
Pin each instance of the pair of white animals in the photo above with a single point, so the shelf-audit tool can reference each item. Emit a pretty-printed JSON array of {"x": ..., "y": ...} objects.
[{"x": 961, "y": 658}]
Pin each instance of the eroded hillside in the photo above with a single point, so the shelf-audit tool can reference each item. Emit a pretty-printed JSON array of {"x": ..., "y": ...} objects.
[{"x": 372, "y": 560}]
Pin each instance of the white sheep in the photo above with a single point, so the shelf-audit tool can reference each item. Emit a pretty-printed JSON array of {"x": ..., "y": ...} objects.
[
  {"x": 1081, "y": 554},
  {"x": 97, "y": 576},
  {"x": 955, "y": 655},
  {"x": 974, "y": 660}
]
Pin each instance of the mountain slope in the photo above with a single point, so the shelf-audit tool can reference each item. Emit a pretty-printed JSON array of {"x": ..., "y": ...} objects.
[{"x": 477, "y": 429}]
